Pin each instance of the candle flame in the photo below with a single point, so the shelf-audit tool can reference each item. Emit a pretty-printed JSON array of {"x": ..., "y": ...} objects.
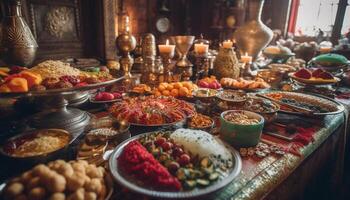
[
  {"x": 167, "y": 42},
  {"x": 246, "y": 53},
  {"x": 201, "y": 43}
]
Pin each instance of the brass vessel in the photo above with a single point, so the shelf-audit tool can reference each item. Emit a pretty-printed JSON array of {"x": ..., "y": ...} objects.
[
  {"x": 226, "y": 64},
  {"x": 18, "y": 43},
  {"x": 254, "y": 36}
]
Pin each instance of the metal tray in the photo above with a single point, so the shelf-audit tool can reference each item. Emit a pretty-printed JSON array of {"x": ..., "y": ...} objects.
[
  {"x": 58, "y": 92},
  {"x": 334, "y": 106}
]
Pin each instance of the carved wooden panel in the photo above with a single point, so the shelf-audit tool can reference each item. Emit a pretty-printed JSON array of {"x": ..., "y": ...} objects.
[{"x": 56, "y": 27}]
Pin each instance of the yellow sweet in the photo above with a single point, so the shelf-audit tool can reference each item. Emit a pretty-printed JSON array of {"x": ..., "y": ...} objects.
[{"x": 18, "y": 85}]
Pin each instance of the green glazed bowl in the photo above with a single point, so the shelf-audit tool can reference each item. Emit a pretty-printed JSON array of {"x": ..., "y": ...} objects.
[{"x": 240, "y": 135}]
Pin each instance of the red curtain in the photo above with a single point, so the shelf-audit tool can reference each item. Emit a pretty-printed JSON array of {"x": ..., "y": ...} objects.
[{"x": 293, "y": 16}]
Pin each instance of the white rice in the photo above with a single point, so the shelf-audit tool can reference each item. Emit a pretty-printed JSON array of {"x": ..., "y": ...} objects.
[{"x": 202, "y": 144}]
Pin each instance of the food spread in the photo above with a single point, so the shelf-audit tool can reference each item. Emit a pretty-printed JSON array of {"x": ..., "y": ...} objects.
[{"x": 200, "y": 121}]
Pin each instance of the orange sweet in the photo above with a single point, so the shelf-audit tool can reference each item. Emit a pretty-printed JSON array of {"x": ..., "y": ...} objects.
[
  {"x": 177, "y": 85},
  {"x": 157, "y": 93},
  {"x": 166, "y": 92},
  {"x": 170, "y": 87},
  {"x": 161, "y": 87},
  {"x": 174, "y": 92},
  {"x": 18, "y": 85},
  {"x": 184, "y": 91},
  {"x": 4, "y": 88},
  {"x": 32, "y": 78},
  {"x": 188, "y": 85}
]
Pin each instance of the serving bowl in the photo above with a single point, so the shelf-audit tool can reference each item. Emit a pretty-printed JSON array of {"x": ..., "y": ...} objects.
[
  {"x": 205, "y": 95},
  {"x": 28, "y": 161},
  {"x": 207, "y": 128},
  {"x": 269, "y": 115},
  {"x": 241, "y": 135},
  {"x": 232, "y": 97}
]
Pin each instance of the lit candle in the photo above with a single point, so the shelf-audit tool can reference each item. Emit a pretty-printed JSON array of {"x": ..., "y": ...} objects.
[
  {"x": 166, "y": 48},
  {"x": 227, "y": 44},
  {"x": 246, "y": 59},
  {"x": 201, "y": 48},
  {"x": 325, "y": 49}
]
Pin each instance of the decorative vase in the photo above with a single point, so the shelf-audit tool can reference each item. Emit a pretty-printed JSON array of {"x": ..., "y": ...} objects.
[
  {"x": 226, "y": 64},
  {"x": 18, "y": 42},
  {"x": 254, "y": 36}
]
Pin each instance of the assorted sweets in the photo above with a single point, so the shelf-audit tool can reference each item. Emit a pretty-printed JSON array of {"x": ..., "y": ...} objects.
[
  {"x": 241, "y": 83},
  {"x": 152, "y": 110},
  {"x": 175, "y": 161},
  {"x": 36, "y": 143},
  {"x": 315, "y": 74},
  {"x": 59, "y": 180},
  {"x": 176, "y": 89},
  {"x": 240, "y": 118},
  {"x": 50, "y": 75},
  {"x": 209, "y": 82}
]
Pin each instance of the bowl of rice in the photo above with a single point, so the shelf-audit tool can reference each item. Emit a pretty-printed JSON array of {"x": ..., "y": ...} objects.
[{"x": 241, "y": 128}]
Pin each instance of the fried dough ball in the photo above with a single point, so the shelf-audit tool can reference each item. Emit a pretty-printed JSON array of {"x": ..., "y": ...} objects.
[
  {"x": 65, "y": 169},
  {"x": 26, "y": 176},
  {"x": 37, "y": 193},
  {"x": 94, "y": 185},
  {"x": 83, "y": 162},
  {"x": 93, "y": 172},
  {"x": 57, "y": 183},
  {"x": 40, "y": 170},
  {"x": 90, "y": 196},
  {"x": 78, "y": 167},
  {"x": 55, "y": 165},
  {"x": 21, "y": 197},
  {"x": 76, "y": 181},
  {"x": 13, "y": 190},
  {"x": 34, "y": 182},
  {"x": 57, "y": 196},
  {"x": 77, "y": 195}
]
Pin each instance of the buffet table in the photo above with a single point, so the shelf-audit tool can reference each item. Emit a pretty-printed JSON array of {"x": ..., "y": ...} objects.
[{"x": 291, "y": 176}]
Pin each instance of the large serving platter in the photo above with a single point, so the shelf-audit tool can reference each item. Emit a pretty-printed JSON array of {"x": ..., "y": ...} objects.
[
  {"x": 333, "y": 106},
  {"x": 55, "y": 92},
  {"x": 125, "y": 180}
]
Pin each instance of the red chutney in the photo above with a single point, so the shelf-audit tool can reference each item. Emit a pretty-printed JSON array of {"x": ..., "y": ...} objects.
[{"x": 139, "y": 163}]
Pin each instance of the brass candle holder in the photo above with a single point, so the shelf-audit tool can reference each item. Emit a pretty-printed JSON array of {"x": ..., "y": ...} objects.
[
  {"x": 183, "y": 65},
  {"x": 166, "y": 60},
  {"x": 126, "y": 43},
  {"x": 201, "y": 66}
]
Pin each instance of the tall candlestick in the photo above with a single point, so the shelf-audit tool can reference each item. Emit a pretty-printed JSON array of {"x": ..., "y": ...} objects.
[
  {"x": 246, "y": 59},
  {"x": 201, "y": 48},
  {"x": 227, "y": 44},
  {"x": 166, "y": 48}
]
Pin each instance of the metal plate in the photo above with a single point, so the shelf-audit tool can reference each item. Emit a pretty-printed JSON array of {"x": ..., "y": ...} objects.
[
  {"x": 124, "y": 181},
  {"x": 54, "y": 92},
  {"x": 333, "y": 106}
]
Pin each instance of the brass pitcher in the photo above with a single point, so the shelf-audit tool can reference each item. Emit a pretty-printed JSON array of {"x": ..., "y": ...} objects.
[
  {"x": 253, "y": 36},
  {"x": 18, "y": 43}
]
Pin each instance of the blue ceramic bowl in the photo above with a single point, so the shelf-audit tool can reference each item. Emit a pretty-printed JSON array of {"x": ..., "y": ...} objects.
[{"x": 240, "y": 135}]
